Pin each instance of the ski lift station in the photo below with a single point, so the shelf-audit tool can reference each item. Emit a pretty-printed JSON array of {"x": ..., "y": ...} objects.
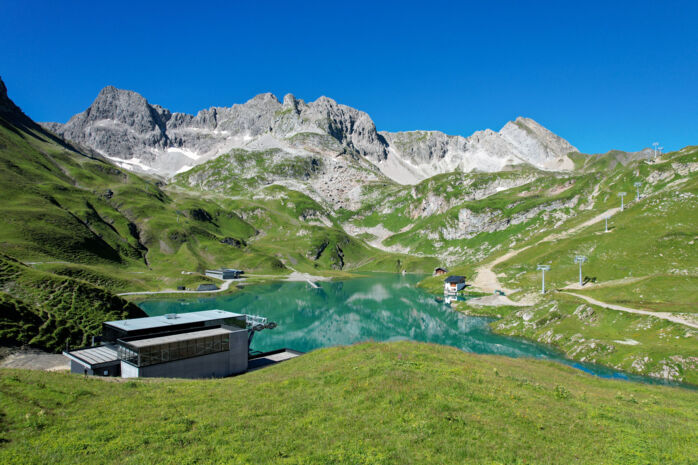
[{"x": 206, "y": 344}]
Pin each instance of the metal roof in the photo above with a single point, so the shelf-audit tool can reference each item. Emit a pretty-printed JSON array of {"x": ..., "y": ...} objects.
[
  {"x": 94, "y": 356},
  {"x": 156, "y": 341},
  {"x": 454, "y": 279},
  {"x": 163, "y": 320}
]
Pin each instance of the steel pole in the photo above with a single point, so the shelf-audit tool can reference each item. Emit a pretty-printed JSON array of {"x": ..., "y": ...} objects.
[
  {"x": 543, "y": 289},
  {"x": 580, "y": 274}
]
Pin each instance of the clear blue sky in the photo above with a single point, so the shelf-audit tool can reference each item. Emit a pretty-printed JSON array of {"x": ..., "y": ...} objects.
[{"x": 602, "y": 75}]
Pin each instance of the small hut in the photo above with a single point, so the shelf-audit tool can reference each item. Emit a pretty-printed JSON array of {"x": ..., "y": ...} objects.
[{"x": 453, "y": 284}]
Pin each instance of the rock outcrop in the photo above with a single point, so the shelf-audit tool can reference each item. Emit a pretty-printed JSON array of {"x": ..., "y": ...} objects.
[{"x": 124, "y": 127}]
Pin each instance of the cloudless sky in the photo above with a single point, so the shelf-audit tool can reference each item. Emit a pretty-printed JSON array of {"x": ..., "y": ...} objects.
[{"x": 603, "y": 75}]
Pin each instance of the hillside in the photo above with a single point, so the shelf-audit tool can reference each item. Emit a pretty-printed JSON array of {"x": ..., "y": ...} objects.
[
  {"x": 48, "y": 311},
  {"x": 271, "y": 211},
  {"x": 124, "y": 231},
  {"x": 645, "y": 263},
  {"x": 87, "y": 228},
  {"x": 371, "y": 403},
  {"x": 649, "y": 246}
]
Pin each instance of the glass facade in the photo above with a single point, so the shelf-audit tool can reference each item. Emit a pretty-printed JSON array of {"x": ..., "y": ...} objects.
[
  {"x": 171, "y": 351},
  {"x": 238, "y": 321}
]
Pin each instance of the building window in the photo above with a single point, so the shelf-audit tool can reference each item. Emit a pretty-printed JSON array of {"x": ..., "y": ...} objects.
[{"x": 169, "y": 352}]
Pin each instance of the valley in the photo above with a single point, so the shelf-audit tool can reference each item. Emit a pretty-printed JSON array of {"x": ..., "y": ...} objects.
[
  {"x": 348, "y": 233},
  {"x": 279, "y": 189}
]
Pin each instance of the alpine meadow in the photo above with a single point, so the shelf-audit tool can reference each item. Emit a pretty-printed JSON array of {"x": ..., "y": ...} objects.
[{"x": 290, "y": 280}]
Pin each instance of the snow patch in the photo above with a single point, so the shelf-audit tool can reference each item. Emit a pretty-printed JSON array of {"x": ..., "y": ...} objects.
[
  {"x": 628, "y": 342},
  {"x": 130, "y": 163},
  {"x": 181, "y": 151}
]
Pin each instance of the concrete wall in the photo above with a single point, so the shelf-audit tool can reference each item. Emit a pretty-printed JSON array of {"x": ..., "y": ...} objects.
[
  {"x": 78, "y": 368},
  {"x": 128, "y": 370},
  {"x": 207, "y": 366}
]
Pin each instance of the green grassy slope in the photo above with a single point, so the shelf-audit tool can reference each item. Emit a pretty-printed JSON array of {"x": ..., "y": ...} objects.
[
  {"x": 128, "y": 233},
  {"x": 88, "y": 228},
  {"x": 372, "y": 403},
  {"x": 647, "y": 259},
  {"x": 627, "y": 342},
  {"x": 47, "y": 311}
]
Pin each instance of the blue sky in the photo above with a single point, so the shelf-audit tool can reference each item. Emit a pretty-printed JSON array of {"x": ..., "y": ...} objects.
[{"x": 602, "y": 75}]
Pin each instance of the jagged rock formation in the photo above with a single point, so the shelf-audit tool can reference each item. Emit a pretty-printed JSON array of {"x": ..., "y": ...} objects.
[
  {"x": 135, "y": 134},
  {"x": 417, "y": 155}
]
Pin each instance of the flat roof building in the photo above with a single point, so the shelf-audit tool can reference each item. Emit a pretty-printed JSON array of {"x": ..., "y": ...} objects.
[
  {"x": 211, "y": 343},
  {"x": 224, "y": 273},
  {"x": 113, "y": 330},
  {"x": 207, "y": 353}
]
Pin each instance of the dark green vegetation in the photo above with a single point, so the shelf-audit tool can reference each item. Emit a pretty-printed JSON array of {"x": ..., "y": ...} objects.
[
  {"x": 372, "y": 403},
  {"x": 47, "y": 311}
]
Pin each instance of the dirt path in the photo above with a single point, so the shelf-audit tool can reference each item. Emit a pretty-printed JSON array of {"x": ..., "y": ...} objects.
[
  {"x": 224, "y": 287},
  {"x": 486, "y": 279},
  {"x": 34, "y": 359},
  {"x": 662, "y": 315},
  {"x": 613, "y": 282},
  {"x": 579, "y": 227}
]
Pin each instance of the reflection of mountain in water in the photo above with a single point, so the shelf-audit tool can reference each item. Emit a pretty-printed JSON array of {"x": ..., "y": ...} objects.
[
  {"x": 380, "y": 308},
  {"x": 384, "y": 307}
]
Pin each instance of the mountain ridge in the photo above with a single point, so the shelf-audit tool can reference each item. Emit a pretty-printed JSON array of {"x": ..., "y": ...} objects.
[{"x": 123, "y": 126}]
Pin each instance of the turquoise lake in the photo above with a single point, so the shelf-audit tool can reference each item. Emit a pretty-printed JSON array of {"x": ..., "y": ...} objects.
[{"x": 382, "y": 307}]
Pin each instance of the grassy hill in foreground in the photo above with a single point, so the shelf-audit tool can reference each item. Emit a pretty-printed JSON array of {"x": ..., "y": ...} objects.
[{"x": 371, "y": 403}]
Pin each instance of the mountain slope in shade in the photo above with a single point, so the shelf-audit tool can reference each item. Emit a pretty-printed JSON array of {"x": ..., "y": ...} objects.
[{"x": 137, "y": 135}]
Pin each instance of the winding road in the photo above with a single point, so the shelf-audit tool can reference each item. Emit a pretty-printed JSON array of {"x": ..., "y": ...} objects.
[
  {"x": 661, "y": 315},
  {"x": 224, "y": 287},
  {"x": 487, "y": 281}
]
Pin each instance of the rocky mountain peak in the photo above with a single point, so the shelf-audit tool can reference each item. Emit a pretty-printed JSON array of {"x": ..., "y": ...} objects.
[
  {"x": 265, "y": 99},
  {"x": 124, "y": 106},
  {"x": 290, "y": 101},
  {"x": 124, "y": 126}
]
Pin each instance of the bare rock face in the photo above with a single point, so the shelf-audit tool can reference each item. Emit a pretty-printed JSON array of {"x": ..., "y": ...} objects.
[
  {"x": 537, "y": 145},
  {"x": 422, "y": 154},
  {"x": 126, "y": 128},
  {"x": 119, "y": 123}
]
